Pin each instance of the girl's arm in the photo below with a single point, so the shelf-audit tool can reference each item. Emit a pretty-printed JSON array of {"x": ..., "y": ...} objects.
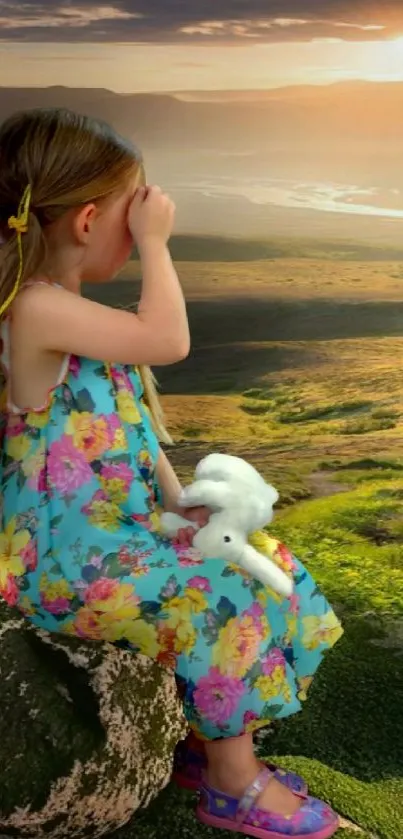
[
  {"x": 169, "y": 484},
  {"x": 171, "y": 487},
  {"x": 54, "y": 319}
]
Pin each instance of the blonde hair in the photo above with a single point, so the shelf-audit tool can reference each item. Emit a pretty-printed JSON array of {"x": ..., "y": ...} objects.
[{"x": 52, "y": 160}]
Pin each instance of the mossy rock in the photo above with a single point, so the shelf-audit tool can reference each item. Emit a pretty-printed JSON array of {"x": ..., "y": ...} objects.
[{"x": 87, "y": 733}]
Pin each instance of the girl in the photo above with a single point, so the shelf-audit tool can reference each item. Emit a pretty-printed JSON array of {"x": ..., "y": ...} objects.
[{"x": 83, "y": 476}]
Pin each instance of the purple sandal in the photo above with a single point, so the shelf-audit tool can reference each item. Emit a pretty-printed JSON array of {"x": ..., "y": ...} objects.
[
  {"x": 314, "y": 819},
  {"x": 190, "y": 764}
]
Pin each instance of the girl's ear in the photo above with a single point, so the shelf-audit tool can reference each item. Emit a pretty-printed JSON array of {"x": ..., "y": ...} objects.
[
  {"x": 83, "y": 222},
  {"x": 264, "y": 570}
]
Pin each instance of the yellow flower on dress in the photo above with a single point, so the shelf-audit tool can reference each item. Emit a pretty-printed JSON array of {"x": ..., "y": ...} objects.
[
  {"x": 264, "y": 684},
  {"x": 90, "y": 434},
  {"x": 185, "y": 638},
  {"x": 115, "y": 489},
  {"x": 321, "y": 629},
  {"x": 85, "y": 624},
  {"x": 119, "y": 440},
  {"x": 110, "y": 608},
  {"x": 197, "y": 600},
  {"x": 237, "y": 647},
  {"x": 17, "y": 447},
  {"x": 37, "y": 419},
  {"x": 32, "y": 465},
  {"x": 55, "y": 589},
  {"x": 292, "y": 626},
  {"x": 304, "y": 683},
  {"x": 155, "y": 520},
  {"x": 121, "y": 602},
  {"x": 274, "y": 685},
  {"x": 26, "y": 606},
  {"x": 127, "y": 408},
  {"x": 255, "y": 725},
  {"x": 12, "y": 543},
  {"x": 179, "y": 619},
  {"x": 262, "y": 597},
  {"x": 104, "y": 514},
  {"x": 141, "y": 634},
  {"x": 192, "y": 600},
  {"x": 262, "y": 542}
]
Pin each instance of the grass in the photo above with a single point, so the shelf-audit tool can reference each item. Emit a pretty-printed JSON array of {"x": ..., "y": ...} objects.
[
  {"x": 296, "y": 366},
  {"x": 347, "y": 742},
  {"x": 220, "y": 249}
]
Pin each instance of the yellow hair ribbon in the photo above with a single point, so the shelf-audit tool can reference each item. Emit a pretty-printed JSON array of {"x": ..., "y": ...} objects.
[{"x": 19, "y": 223}]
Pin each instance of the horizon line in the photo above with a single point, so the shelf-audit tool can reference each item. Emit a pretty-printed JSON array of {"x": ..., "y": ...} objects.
[{"x": 216, "y": 91}]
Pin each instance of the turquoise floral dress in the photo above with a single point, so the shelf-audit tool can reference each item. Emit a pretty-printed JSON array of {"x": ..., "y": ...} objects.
[{"x": 81, "y": 553}]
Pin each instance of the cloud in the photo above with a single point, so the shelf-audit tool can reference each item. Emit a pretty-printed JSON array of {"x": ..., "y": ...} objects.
[{"x": 188, "y": 21}]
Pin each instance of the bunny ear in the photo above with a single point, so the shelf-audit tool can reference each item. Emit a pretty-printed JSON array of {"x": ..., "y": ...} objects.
[{"x": 264, "y": 570}]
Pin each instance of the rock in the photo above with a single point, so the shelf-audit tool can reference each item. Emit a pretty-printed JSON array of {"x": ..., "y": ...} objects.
[{"x": 87, "y": 733}]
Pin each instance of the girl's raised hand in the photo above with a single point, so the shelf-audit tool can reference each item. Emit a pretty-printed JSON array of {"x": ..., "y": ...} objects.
[{"x": 151, "y": 216}]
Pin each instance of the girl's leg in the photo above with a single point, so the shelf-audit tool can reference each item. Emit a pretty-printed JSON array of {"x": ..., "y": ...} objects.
[
  {"x": 243, "y": 657},
  {"x": 190, "y": 764},
  {"x": 233, "y": 767}
]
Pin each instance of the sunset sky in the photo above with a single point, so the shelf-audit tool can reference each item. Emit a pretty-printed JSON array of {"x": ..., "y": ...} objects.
[{"x": 156, "y": 45}]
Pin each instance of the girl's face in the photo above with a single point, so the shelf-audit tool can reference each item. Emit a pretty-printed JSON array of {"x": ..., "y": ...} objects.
[{"x": 110, "y": 242}]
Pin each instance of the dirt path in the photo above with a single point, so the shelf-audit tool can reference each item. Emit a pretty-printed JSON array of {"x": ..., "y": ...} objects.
[{"x": 323, "y": 485}]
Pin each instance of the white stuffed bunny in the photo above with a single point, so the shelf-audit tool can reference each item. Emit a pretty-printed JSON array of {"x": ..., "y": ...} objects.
[{"x": 241, "y": 503}]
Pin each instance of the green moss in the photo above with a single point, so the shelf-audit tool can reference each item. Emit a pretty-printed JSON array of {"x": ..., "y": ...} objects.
[
  {"x": 367, "y": 425},
  {"x": 323, "y": 412},
  {"x": 347, "y": 742}
]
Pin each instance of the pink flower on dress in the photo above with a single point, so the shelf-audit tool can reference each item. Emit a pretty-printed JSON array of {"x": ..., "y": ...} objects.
[
  {"x": 118, "y": 470},
  {"x": 201, "y": 583},
  {"x": 189, "y": 561},
  {"x": 74, "y": 365},
  {"x": 121, "y": 379},
  {"x": 293, "y": 604},
  {"x": 287, "y": 560},
  {"x": 187, "y": 557},
  {"x": 101, "y": 589},
  {"x": 255, "y": 611},
  {"x": 249, "y": 716},
  {"x": 217, "y": 696},
  {"x": 58, "y": 606},
  {"x": 29, "y": 556},
  {"x": 67, "y": 467},
  {"x": 41, "y": 484},
  {"x": 10, "y": 591},
  {"x": 113, "y": 423},
  {"x": 15, "y": 426},
  {"x": 273, "y": 660}
]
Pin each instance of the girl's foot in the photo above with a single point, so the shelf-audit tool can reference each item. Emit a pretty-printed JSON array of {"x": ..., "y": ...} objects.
[
  {"x": 266, "y": 810},
  {"x": 190, "y": 764}
]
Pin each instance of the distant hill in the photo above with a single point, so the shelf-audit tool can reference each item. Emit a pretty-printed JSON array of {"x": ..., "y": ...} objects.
[
  {"x": 349, "y": 133},
  {"x": 357, "y": 114}
]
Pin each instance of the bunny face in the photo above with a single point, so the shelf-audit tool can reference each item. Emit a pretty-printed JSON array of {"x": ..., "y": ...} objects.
[{"x": 219, "y": 539}]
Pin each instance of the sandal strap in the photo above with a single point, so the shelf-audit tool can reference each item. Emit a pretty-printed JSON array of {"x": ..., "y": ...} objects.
[{"x": 252, "y": 793}]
